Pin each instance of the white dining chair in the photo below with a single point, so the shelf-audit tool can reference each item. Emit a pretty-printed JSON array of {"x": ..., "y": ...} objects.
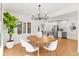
[
  {"x": 22, "y": 42},
  {"x": 51, "y": 36},
  {"x": 51, "y": 46},
  {"x": 39, "y": 34},
  {"x": 28, "y": 46}
]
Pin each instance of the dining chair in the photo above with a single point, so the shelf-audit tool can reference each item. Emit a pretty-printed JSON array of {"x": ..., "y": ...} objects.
[
  {"x": 39, "y": 34},
  {"x": 51, "y": 46},
  {"x": 22, "y": 43},
  {"x": 29, "y": 47},
  {"x": 51, "y": 36}
]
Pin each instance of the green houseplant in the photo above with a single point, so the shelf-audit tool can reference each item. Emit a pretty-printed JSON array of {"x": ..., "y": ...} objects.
[{"x": 10, "y": 23}]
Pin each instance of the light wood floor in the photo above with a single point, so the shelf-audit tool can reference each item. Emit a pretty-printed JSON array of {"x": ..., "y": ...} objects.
[{"x": 65, "y": 48}]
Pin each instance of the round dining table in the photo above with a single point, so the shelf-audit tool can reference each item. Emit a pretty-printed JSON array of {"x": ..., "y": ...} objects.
[{"x": 40, "y": 41}]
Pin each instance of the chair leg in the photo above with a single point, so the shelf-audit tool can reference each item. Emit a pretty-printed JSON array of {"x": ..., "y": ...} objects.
[
  {"x": 38, "y": 52},
  {"x": 56, "y": 52}
]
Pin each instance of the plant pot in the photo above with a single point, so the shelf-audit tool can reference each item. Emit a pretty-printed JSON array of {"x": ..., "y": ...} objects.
[{"x": 10, "y": 44}]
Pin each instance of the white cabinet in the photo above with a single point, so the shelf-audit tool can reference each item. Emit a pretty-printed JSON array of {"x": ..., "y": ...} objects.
[
  {"x": 72, "y": 36},
  {"x": 59, "y": 34}
]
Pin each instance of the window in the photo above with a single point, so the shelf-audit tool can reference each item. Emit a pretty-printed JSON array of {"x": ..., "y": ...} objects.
[
  {"x": 24, "y": 27},
  {"x": 19, "y": 27},
  {"x": 29, "y": 27}
]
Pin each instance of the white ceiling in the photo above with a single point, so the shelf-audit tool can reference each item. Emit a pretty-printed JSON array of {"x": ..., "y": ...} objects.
[
  {"x": 32, "y": 8},
  {"x": 68, "y": 16},
  {"x": 29, "y": 9}
]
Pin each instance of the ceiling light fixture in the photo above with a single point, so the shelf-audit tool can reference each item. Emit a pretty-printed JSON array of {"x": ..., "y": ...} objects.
[{"x": 39, "y": 17}]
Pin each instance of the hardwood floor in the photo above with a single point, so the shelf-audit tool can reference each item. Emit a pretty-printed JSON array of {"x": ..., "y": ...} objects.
[{"x": 65, "y": 48}]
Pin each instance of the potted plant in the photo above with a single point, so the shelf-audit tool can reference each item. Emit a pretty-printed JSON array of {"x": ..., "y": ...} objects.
[{"x": 10, "y": 23}]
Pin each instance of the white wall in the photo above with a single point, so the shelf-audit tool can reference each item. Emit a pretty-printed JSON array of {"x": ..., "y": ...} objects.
[
  {"x": 78, "y": 32},
  {"x": 73, "y": 34},
  {"x": 49, "y": 25},
  {"x": 1, "y": 38},
  {"x": 67, "y": 28}
]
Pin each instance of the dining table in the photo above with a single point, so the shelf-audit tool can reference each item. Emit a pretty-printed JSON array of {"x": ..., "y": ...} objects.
[{"x": 40, "y": 41}]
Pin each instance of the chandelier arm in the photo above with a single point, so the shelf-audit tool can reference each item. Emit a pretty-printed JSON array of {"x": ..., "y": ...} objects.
[{"x": 39, "y": 11}]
